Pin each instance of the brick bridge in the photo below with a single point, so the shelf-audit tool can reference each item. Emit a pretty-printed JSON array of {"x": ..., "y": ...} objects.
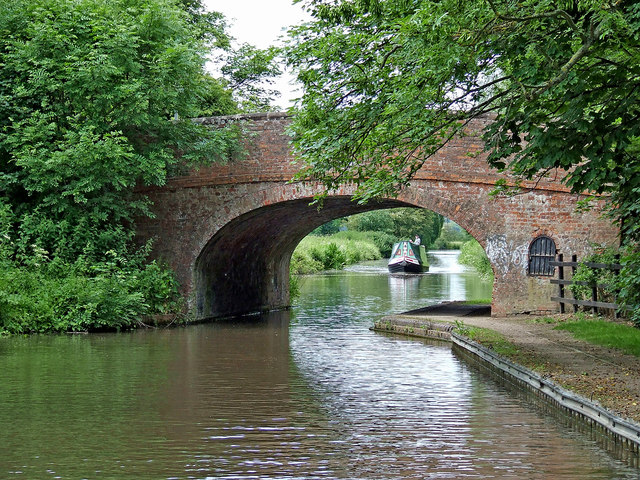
[{"x": 229, "y": 230}]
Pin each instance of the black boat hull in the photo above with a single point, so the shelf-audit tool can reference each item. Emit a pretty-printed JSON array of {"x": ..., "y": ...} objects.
[
  {"x": 407, "y": 257},
  {"x": 405, "y": 267}
]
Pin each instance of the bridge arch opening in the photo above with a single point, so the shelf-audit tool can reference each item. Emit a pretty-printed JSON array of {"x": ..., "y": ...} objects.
[{"x": 244, "y": 267}]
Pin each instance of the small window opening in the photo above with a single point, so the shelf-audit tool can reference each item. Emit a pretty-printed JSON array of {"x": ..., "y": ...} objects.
[{"x": 541, "y": 252}]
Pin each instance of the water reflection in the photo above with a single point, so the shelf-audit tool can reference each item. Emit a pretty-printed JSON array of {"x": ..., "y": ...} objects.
[{"x": 308, "y": 394}]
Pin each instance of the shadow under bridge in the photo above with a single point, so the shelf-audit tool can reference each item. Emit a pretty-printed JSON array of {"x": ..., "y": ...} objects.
[{"x": 244, "y": 268}]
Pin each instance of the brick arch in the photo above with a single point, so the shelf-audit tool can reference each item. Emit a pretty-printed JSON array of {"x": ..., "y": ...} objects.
[
  {"x": 248, "y": 214},
  {"x": 244, "y": 266}
]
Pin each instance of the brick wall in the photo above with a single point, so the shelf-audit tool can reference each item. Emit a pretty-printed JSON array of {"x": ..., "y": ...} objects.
[{"x": 229, "y": 230}]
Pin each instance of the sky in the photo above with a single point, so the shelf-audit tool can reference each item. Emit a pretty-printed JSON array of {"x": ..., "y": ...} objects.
[{"x": 261, "y": 23}]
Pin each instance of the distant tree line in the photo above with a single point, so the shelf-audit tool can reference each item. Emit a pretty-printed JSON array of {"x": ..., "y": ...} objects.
[{"x": 390, "y": 226}]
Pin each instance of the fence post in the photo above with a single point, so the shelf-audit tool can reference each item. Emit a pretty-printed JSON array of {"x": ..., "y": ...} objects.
[
  {"x": 560, "y": 285},
  {"x": 594, "y": 297},
  {"x": 574, "y": 259},
  {"x": 616, "y": 272}
]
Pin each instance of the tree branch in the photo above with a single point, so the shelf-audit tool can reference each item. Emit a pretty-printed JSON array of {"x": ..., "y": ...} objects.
[{"x": 553, "y": 14}]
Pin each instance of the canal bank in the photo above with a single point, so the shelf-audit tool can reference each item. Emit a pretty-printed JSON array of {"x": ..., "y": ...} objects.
[{"x": 598, "y": 386}]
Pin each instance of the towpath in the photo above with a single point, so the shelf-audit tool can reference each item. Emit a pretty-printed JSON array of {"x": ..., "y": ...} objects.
[{"x": 602, "y": 374}]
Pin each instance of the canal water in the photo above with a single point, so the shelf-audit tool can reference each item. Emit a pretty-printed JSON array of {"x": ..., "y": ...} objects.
[{"x": 306, "y": 394}]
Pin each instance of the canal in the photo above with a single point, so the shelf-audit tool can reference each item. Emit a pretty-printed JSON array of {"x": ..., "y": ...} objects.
[{"x": 306, "y": 394}]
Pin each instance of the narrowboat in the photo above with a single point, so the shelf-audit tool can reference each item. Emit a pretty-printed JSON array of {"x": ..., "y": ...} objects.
[{"x": 407, "y": 257}]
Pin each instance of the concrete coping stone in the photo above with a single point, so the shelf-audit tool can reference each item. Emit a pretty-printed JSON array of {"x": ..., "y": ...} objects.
[
  {"x": 442, "y": 329},
  {"x": 571, "y": 401},
  {"x": 242, "y": 116}
]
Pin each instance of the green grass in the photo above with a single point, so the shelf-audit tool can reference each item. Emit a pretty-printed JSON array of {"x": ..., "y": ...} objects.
[
  {"x": 547, "y": 320},
  {"x": 318, "y": 253},
  {"x": 608, "y": 334},
  {"x": 478, "y": 301},
  {"x": 488, "y": 338}
]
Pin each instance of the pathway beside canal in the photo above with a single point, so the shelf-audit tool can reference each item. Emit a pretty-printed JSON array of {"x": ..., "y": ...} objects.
[{"x": 598, "y": 373}]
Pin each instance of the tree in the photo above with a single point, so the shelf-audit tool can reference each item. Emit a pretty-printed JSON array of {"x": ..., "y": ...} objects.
[
  {"x": 400, "y": 224},
  {"x": 386, "y": 84},
  {"x": 249, "y": 72},
  {"x": 96, "y": 98},
  {"x": 328, "y": 228}
]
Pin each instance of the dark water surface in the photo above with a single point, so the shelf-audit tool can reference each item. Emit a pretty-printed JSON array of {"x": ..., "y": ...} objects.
[{"x": 305, "y": 394}]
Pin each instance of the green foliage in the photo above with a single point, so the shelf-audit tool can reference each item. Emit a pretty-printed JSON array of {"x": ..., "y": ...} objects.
[
  {"x": 294, "y": 286},
  {"x": 382, "y": 240},
  {"x": 315, "y": 253},
  {"x": 249, "y": 72},
  {"x": 391, "y": 81},
  {"x": 461, "y": 328},
  {"x": 629, "y": 283},
  {"x": 215, "y": 98},
  {"x": 621, "y": 287},
  {"x": 398, "y": 224},
  {"x": 597, "y": 276},
  {"x": 601, "y": 332},
  {"x": 333, "y": 257},
  {"x": 303, "y": 263},
  {"x": 87, "y": 112},
  {"x": 96, "y": 98},
  {"x": 386, "y": 84},
  {"x": 210, "y": 27},
  {"x": 452, "y": 237},
  {"x": 58, "y": 297},
  {"x": 328, "y": 228},
  {"x": 473, "y": 255}
]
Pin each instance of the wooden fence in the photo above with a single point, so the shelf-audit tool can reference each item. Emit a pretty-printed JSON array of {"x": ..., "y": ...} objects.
[{"x": 561, "y": 281}]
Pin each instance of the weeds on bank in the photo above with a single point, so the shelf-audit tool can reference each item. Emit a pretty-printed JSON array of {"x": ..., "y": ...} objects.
[
  {"x": 488, "y": 338},
  {"x": 605, "y": 333},
  {"x": 547, "y": 320}
]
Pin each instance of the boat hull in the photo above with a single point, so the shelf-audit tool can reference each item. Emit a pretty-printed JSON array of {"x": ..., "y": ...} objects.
[
  {"x": 407, "y": 257},
  {"x": 405, "y": 267}
]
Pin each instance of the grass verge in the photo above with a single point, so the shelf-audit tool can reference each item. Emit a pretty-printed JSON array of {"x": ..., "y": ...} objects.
[
  {"x": 318, "y": 253},
  {"x": 604, "y": 333},
  {"x": 489, "y": 339},
  {"x": 478, "y": 301}
]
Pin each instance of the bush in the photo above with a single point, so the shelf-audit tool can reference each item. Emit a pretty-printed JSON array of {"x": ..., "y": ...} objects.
[
  {"x": 628, "y": 284},
  {"x": 333, "y": 257},
  {"x": 294, "y": 286},
  {"x": 442, "y": 244},
  {"x": 595, "y": 276},
  {"x": 613, "y": 287},
  {"x": 302, "y": 263},
  {"x": 369, "y": 241},
  {"x": 55, "y": 297},
  {"x": 452, "y": 237},
  {"x": 398, "y": 224},
  {"x": 315, "y": 254},
  {"x": 473, "y": 255}
]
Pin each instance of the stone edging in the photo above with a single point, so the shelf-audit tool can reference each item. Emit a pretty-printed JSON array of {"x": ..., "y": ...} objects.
[
  {"x": 622, "y": 431},
  {"x": 426, "y": 328}
]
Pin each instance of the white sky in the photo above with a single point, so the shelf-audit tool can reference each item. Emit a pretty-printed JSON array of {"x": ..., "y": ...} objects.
[{"x": 261, "y": 23}]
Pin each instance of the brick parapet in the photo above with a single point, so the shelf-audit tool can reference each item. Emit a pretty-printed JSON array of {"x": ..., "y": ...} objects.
[{"x": 270, "y": 159}]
